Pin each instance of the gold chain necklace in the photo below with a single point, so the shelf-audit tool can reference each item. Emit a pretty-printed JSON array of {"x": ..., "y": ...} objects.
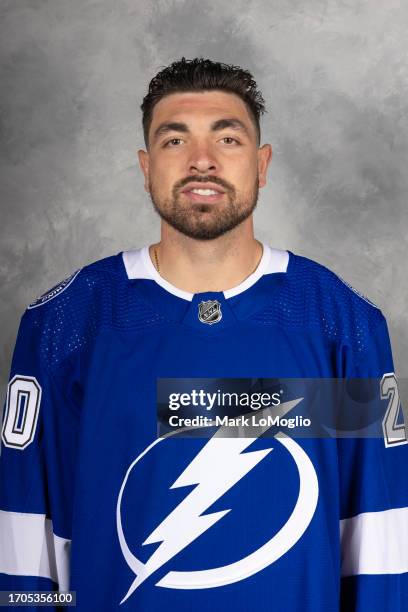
[{"x": 156, "y": 259}]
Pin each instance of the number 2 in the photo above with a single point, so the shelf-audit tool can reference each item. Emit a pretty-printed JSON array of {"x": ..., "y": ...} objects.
[{"x": 394, "y": 433}]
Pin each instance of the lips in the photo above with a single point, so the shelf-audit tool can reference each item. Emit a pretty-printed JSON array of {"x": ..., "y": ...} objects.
[
  {"x": 197, "y": 197},
  {"x": 212, "y": 186}
]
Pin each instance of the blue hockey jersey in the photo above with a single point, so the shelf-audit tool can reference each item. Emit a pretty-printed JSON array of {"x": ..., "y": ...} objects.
[{"x": 92, "y": 500}]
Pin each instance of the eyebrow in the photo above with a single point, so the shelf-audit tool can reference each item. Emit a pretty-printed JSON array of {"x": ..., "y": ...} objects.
[{"x": 216, "y": 126}]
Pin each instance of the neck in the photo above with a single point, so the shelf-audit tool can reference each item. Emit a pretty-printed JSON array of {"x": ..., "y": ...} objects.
[{"x": 206, "y": 265}]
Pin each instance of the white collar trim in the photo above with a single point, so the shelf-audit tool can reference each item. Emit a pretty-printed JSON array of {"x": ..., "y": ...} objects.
[{"x": 138, "y": 264}]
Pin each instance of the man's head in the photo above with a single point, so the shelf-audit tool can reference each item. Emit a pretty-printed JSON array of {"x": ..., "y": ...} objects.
[{"x": 201, "y": 129}]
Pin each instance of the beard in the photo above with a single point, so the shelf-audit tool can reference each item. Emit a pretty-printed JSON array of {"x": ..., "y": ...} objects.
[{"x": 205, "y": 221}]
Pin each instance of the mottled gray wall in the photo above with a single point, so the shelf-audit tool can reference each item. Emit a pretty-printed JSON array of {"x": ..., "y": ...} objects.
[{"x": 334, "y": 74}]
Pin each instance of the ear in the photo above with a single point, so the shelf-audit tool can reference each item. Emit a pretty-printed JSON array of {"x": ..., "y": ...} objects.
[
  {"x": 264, "y": 158},
  {"x": 144, "y": 165}
]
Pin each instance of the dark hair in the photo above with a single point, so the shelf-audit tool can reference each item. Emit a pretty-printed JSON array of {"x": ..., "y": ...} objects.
[{"x": 201, "y": 74}]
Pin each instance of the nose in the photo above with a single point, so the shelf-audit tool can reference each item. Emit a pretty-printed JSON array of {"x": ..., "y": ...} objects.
[{"x": 202, "y": 160}]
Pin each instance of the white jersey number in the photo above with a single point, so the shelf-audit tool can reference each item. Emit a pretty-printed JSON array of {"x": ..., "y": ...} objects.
[
  {"x": 394, "y": 433},
  {"x": 21, "y": 411}
]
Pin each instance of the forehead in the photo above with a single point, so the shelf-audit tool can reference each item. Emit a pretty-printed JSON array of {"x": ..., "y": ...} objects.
[{"x": 195, "y": 106}]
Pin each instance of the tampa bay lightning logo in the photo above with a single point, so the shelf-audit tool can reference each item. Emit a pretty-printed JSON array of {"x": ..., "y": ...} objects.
[
  {"x": 219, "y": 465},
  {"x": 52, "y": 293}
]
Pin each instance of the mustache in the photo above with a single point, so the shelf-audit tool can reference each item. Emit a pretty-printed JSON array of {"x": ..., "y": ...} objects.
[{"x": 204, "y": 179}]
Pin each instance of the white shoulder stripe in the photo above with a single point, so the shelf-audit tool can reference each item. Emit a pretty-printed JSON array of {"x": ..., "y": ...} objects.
[
  {"x": 375, "y": 543},
  {"x": 28, "y": 547}
]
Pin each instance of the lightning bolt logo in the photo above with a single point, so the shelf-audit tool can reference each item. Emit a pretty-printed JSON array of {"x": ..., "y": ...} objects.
[{"x": 219, "y": 465}]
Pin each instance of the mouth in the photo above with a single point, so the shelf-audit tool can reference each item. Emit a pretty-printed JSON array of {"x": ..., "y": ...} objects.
[{"x": 204, "y": 194}]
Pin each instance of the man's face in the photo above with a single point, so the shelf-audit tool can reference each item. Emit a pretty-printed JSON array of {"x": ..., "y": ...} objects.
[{"x": 203, "y": 140}]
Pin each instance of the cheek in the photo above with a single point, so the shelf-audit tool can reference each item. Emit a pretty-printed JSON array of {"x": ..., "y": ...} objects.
[
  {"x": 245, "y": 175},
  {"x": 164, "y": 174}
]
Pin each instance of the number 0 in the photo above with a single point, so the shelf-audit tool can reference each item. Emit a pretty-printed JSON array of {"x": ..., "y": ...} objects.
[
  {"x": 21, "y": 412},
  {"x": 394, "y": 433}
]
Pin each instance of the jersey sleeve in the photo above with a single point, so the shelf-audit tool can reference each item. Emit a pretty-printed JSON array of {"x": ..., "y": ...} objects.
[
  {"x": 374, "y": 494},
  {"x": 37, "y": 462}
]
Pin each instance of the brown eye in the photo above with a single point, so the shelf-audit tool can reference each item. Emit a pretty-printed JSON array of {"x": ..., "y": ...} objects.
[{"x": 171, "y": 140}]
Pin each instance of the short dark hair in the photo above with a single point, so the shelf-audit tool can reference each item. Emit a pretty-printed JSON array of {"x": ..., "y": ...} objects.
[{"x": 201, "y": 74}]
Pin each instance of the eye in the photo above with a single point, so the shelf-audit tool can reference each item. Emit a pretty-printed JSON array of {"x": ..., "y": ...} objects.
[
  {"x": 171, "y": 140},
  {"x": 230, "y": 138}
]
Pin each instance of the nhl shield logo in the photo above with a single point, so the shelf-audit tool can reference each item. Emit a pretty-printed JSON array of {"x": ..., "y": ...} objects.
[{"x": 210, "y": 312}]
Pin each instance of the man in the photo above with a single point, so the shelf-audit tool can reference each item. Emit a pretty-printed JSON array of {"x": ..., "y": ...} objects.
[{"x": 94, "y": 501}]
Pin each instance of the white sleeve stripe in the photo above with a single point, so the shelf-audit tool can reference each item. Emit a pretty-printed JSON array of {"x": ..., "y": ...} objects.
[
  {"x": 375, "y": 543},
  {"x": 28, "y": 547}
]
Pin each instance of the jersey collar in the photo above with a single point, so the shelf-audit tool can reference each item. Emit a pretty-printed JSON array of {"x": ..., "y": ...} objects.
[{"x": 138, "y": 264}]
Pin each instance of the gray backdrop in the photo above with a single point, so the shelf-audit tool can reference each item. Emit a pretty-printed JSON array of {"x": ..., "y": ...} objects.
[{"x": 334, "y": 75}]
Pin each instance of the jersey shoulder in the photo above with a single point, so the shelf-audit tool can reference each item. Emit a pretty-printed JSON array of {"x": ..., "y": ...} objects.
[
  {"x": 65, "y": 319},
  {"x": 315, "y": 299},
  {"x": 317, "y": 276},
  {"x": 80, "y": 290},
  {"x": 333, "y": 304}
]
